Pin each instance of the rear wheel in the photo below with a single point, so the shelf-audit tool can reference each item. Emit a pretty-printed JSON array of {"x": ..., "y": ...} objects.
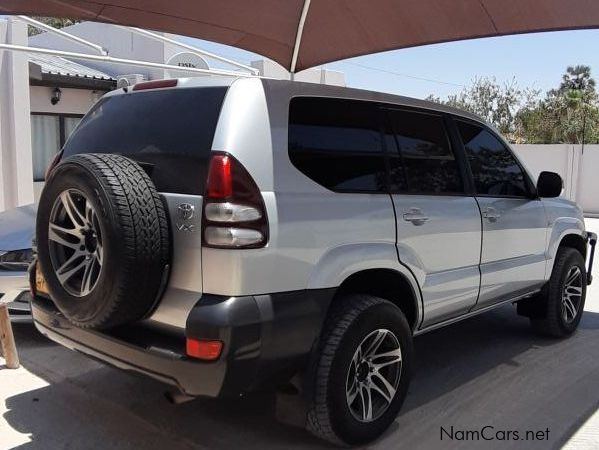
[
  {"x": 363, "y": 371},
  {"x": 561, "y": 302}
]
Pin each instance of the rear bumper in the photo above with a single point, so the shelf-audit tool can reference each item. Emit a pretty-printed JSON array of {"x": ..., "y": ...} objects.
[
  {"x": 592, "y": 242},
  {"x": 266, "y": 339}
]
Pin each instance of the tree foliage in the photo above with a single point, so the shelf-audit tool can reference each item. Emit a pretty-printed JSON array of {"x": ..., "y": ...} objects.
[
  {"x": 566, "y": 114},
  {"x": 56, "y": 22}
]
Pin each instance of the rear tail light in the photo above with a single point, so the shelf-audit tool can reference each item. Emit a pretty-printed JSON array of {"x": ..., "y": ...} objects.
[
  {"x": 53, "y": 164},
  {"x": 234, "y": 214}
]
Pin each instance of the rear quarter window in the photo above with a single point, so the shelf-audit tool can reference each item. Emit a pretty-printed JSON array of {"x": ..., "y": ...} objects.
[
  {"x": 337, "y": 143},
  {"x": 168, "y": 131}
]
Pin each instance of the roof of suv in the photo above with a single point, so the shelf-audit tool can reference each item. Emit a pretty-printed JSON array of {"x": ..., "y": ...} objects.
[{"x": 296, "y": 88}]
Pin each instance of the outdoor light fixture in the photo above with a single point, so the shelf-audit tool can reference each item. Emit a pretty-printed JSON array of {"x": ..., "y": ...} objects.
[{"x": 56, "y": 93}]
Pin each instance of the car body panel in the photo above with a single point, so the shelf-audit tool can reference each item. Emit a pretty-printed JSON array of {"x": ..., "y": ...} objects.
[
  {"x": 184, "y": 286},
  {"x": 564, "y": 217},
  {"x": 443, "y": 252},
  {"x": 513, "y": 257}
]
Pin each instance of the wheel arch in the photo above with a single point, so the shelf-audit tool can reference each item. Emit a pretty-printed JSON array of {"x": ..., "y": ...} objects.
[
  {"x": 371, "y": 268},
  {"x": 575, "y": 241},
  {"x": 564, "y": 232},
  {"x": 387, "y": 284}
]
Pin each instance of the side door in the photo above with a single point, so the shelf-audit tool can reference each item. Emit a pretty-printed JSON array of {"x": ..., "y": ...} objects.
[
  {"x": 513, "y": 218},
  {"x": 438, "y": 221}
]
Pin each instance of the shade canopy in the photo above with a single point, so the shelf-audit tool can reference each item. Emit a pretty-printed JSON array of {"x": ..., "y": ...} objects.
[{"x": 299, "y": 34}]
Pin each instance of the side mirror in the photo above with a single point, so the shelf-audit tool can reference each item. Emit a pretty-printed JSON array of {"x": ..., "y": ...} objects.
[{"x": 549, "y": 184}]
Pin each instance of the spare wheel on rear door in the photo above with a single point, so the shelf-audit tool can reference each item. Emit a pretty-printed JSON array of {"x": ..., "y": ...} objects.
[{"x": 103, "y": 240}]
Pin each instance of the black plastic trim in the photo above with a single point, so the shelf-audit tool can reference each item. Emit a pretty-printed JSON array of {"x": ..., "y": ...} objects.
[
  {"x": 267, "y": 339},
  {"x": 592, "y": 241}
]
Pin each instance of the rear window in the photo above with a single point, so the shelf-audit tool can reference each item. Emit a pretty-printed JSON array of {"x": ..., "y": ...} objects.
[{"x": 169, "y": 132}]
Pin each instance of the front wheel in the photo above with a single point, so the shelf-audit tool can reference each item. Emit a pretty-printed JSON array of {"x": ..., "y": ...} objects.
[
  {"x": 562, "y": 300},
  {"x": 363, "y": 371}
]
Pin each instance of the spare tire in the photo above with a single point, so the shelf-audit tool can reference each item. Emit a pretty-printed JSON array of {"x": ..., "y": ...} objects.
[{"x": 102, "y": 240}]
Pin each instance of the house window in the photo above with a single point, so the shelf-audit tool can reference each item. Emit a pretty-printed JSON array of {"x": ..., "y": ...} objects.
[{"x": 49, "y": 132}]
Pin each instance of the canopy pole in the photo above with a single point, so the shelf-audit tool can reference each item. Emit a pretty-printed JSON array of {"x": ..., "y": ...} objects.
[
  {"x": 64, "y": 34},
  {"x": 191, "y": 48},
  {"x": 298, "y": 36},
  {"x": 128, "y": 62}
]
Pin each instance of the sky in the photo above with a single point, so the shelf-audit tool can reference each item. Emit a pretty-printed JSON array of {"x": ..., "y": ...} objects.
[{"x": 535, "y": 60}]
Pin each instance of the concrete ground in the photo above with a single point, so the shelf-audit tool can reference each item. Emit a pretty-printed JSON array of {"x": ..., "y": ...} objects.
[{"x": 486, "y": 371}]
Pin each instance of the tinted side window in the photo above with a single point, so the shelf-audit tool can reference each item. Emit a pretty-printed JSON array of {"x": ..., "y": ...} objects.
[
  {"x": 337, "y": 143},
  {"x": 421, "y": 159},
  {"x": 494, "y": 169}
]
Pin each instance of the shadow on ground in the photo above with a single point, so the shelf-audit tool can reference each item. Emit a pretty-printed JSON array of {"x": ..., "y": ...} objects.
[{"x": 489, "y": 370}]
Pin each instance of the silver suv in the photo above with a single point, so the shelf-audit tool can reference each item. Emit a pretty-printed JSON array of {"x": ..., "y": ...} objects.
[{"x": 222, "y": 235}]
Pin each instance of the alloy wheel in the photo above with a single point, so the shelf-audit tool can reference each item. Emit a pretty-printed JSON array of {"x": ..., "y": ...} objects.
[
  {"x": 572, "y": 294},
  {"x": 373, "y": 375},
  {"x": 75, "y": 243}
]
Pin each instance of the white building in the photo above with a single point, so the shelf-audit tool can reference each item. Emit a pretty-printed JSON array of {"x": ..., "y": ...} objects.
[{"x": 43, "y": 97}]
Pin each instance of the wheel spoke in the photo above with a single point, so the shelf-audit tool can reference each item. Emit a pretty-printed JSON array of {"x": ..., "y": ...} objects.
[
  {"x": 390, "y": 390},
  {"x": 393, "y": 357},
  {"x": 376, "y": 343},
  {"x": 366, "y": 398},
  {"x": 71, "y": 209},
  {"x": 89, "y": 214},
  {"x": 572, "y": 276},
  {"x": 357, "y": 357},
  {"x": 86, "y": 281},
  {"x": 382, "y": 394},
  {"x": 573, "y": 290},
  {"x": 99, "y": 254},
  {"x": 569, "y": 307},
  {"x": 68, "y": 269},
  {"x": 57, "y": 234}
]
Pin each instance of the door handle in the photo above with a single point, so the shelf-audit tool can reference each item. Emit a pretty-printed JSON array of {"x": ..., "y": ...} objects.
[
  {"x": 491, "y": 214},
  {"x": 415, "y": 216}
]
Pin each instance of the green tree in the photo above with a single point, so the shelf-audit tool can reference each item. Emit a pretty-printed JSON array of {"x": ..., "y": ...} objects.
[
  {"x": 497, "y": 103},
  {"x": 56, "y": 22},
  {"x": 568, "y": 114}
]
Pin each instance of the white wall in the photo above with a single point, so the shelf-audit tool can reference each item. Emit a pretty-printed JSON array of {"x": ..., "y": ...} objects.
[
  {"x": 16, "y": 171},
  {"x": 578, "y": 167},
  {"x": 72, "y": 101},
  {"x": 588, "y": 182}
]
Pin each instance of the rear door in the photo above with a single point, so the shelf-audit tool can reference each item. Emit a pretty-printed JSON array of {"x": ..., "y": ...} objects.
[
  {"x": 513, "y": 218},
  {"x": 438, "y": 222}
]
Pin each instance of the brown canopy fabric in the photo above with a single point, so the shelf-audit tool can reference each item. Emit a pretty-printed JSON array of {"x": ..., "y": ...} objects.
[{"x": 300, "y": 34}]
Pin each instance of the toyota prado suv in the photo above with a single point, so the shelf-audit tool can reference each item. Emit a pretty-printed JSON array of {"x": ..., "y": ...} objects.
[{"x": 226, "y": 235}]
